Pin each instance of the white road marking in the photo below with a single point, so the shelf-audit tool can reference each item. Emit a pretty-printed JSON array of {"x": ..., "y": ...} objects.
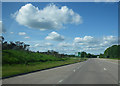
[
  {"x": 79, "y": 66},
  {"x": 60, "y": 81},
  {"x": 74, "y": 70},
  {"x": 105, "y": 69},
  {"x": 119, "y": 82}
]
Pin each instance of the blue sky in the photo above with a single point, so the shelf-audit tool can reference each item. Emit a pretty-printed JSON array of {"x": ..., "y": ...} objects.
[{"x": 90, "y": 27}]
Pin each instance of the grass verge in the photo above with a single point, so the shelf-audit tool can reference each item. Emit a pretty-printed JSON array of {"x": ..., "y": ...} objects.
[
  {"x": 112, "y": 58},
  {"x": 15, "y": 69}
]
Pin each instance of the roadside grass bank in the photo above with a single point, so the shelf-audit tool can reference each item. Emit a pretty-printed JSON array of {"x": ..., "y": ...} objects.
[
  {"x": 111, "y": 58},
  {"x": 16, "y": 69}
]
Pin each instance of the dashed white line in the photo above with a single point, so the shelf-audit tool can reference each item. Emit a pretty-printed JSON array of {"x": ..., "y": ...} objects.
[
  {"x": 105, "y": 69},
  {"x": 60, "y": 81},
  {"x": 74, "y": 70}
]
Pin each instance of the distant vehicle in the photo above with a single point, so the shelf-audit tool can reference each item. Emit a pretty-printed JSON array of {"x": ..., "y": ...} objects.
[
  {"x": 78, "y": 54},
  {"x": 97, "y": 56}
]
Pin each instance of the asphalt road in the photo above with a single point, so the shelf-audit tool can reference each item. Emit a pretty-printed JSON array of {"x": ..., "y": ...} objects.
[{"x": 92, "y": 71}]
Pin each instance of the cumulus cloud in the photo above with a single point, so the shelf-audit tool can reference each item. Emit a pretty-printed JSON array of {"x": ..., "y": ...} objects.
[
  {"x": 66, "y": 50},
  {"x": 50, "y": 17},
  {"x": 55, "y": 36},
  {"x": 37, "y": 45},
  {"x": 49, "y": 44},
  {"x": 43, "y": 45},
  {"x": 91, "y": 40},
  {"x": 11, "y": 32},
  {"x": 91, "y": 44},
  {"x": 64, "y": 44},
  {"x": 85, "y": 39},
  {"x": 22, "y": 33},
  {"x": 109, "y": 40},
  {"x": 26, "y": 37}
]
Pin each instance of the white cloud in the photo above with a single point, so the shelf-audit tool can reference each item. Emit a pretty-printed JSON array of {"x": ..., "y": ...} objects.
[
  {"x": 50, "y": 17},
  {"x": 54, "y": 36},
  {"x": 64, "y": 44},
  {"x": 43, "y": 44},
  {"x": 37, "y": 45},
  {"x": 48, "y": 44},
  {"x": 85, "y": 39},
  {"x": 91, "y": 44},
  {"x": 22, "y": 33},
  {"x": 11, "y": 32},
  {"x": 109, "y": 40},
  {"x": 91, "y": 41},
  {"x": 26, "y": 37}
]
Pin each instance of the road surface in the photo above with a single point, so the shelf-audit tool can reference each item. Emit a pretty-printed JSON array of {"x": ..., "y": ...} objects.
[{"x": 92, "y": 71}]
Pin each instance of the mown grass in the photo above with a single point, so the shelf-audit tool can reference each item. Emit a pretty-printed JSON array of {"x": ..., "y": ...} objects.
[
  {"x": 10, "y": 70},
  {"x": 112, "y": 58}
]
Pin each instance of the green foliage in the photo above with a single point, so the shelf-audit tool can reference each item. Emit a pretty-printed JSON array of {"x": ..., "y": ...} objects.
[
  {"x": 89, "y": 55},
  {"x": 83, "y": 54},
  {"x": 26, "y": 57},
  {"x": 112, "y": 52},
  {"x": 16, "y": 46},
  {"x": 101, "y": 55}
]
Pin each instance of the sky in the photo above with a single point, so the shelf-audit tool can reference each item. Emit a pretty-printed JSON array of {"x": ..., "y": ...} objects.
[{"x": 66, "y": 27}]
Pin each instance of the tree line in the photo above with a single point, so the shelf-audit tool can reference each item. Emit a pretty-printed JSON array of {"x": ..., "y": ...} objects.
[
  {"x": 19, "y": 53},
  {"x": 87, "y": 55},
  {"x": 111, "y": 52},
  {"x": 18, "y": 45}
]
